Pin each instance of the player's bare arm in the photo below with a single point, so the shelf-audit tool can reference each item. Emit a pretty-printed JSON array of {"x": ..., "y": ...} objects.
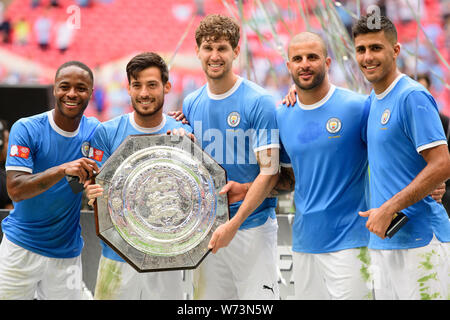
[
  {"x": 235, "y": 191},
  {"x": 291, "y": 97},
  {"x": 268, "y": 161},
  {"x": 286, "y": 182},
  {"x": 93, "y": 191},
  {"x": 431, "y": 177},
  {"x": 178, "y": 115},
  {"x": 181, "y": 132},
  {"x": 439, "y": 192},
  {"x": 23, "y": 185}
]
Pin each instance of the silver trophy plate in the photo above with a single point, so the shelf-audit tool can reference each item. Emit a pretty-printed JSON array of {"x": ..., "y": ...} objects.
[{"x": 161, "y": 202}]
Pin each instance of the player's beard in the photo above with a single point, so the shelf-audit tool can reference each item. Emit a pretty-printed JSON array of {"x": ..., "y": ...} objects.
[
  {"x": 151, "y": 112},
  {"x": 317, "y": 80}
]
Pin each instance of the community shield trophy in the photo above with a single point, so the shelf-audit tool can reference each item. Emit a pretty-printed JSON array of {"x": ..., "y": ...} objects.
[{"x": 161, "y": 202}]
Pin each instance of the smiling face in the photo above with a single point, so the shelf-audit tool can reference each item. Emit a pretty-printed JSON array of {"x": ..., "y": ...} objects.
[
  {"x": 72, "y": 91},
  {"x": 376, "y": 57},
  {"x": 217, "y": 58},
  {"x": 308, "y": 64},
  {"x": 147, "y": 92}
]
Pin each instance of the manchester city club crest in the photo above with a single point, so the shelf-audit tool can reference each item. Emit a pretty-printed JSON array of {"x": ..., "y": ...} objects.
[
  {"x": 385, "y": 116},
  {"x": 333, "y": 125},
  {"x": 233, "y": 119},
  {"x": 85, "y": 148}
]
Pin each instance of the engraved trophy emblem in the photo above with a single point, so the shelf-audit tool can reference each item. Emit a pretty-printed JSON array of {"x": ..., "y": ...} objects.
[{"x": 161, "y": 202}]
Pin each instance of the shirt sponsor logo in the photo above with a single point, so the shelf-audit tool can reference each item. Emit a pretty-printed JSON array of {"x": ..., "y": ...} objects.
[
  {"x": 334, "y": 125},
  {"x": 385, "y": 116},
  {"x": 96, "y": 154},
  {"x": 233, "y": 119},
  {"x": 19, "y": 151}
]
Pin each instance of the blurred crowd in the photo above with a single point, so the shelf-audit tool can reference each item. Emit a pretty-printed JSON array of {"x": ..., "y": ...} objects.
[
  {"x": 111, "y": 99},
  {"x": 19, "y": 30}
]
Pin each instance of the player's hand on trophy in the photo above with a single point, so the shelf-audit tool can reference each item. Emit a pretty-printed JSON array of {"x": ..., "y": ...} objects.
[
  {"x": 222, "y": 236},
  {"x": 82, "y": 168},
  {"x": 438, "y": 193},
  {"x": 290, "y": 98},
  {"x": 178, "y": 115},
  {"x": 93, "y": 191},
  {"x": 236, "y": 191},
  {"x": 181, "y": 132}
]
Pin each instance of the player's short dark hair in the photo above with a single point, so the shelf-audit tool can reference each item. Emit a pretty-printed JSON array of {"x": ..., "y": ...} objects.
[
  {"x": 215, "y": 27},
  {"x": 78, "y": 64},
  {"x": 146, "y": 60},
  {"x": 372, "y": 23}
]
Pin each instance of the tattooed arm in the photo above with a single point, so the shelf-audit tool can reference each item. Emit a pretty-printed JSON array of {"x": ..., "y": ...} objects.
[
  {"x": 23, "y": 185},
  {"x": 268, "y": 161},
  {"x": 286, "y": 182},
  {"x": 236, "y": 191}
]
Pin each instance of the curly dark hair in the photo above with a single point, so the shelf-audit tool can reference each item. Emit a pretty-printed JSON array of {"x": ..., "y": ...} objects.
[{"x": 215, "y": 27}]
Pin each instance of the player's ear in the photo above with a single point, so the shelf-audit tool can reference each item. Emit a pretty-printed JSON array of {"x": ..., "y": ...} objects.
[
  {"x": 328, "y": 61},
  {"x": 167, "y": 87},
  {"x": 236, "y": 51},
  {"x": 397, "y": 48},
  {"x": 197, "y": 50}
]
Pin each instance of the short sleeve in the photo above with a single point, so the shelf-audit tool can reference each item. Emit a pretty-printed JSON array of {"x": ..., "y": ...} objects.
[
  {"x": 21, "y": 148},
  {"x": 364, "y": 119},
  {"x": 421, "y": 121},
  {"x": 100, "y": 149},
  {"x": 264, "y": 125}
]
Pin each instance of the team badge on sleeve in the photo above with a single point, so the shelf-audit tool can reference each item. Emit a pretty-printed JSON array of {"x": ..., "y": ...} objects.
[
  {"x": 233, "y": 119},
  {"x": 96, "y": 154},
  {"x": 385, "y": 116},
  {"x": 333, "y": 125},
  {"x": 19, "y": 151}
]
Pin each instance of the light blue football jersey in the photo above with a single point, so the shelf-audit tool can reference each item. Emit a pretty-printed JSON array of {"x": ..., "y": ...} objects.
[
  {"x": 231, "y": 127},
  {"x": 49, "y": 223},
  {"x": 325, "y": 145},
  {"x": 403, "y": 121},
  {"x": 110, "y": 135}
]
